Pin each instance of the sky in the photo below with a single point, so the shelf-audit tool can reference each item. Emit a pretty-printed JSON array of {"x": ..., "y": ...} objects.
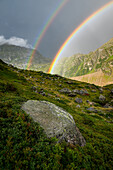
[{"x": 21, "y": 22}]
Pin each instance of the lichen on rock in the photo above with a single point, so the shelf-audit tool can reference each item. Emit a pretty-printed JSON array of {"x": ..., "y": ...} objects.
[{"x": 55, "y": 121}]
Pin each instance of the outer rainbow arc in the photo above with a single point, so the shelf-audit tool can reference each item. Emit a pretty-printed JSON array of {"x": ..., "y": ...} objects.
[
  {"x": 45, "y": 28},
  {"x": 75, "y": 32}
]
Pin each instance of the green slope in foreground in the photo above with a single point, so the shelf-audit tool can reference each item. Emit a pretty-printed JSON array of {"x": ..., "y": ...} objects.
[{"x": 23, "y": 144}]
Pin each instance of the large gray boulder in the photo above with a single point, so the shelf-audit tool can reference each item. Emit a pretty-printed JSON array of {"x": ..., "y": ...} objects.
[{"x": 55, "y": 121}]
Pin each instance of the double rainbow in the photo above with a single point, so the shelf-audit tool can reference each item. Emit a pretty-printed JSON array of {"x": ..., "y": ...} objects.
[
  {"x": 67, "y": 41},
  {"x": 44, "y": 29}
]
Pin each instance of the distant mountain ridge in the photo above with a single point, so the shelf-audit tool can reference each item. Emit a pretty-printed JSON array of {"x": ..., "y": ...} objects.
[
  {"x": 95, "y": 67},
  {"x": 19, "y": 57},
  {"x": 80, "y": 64}
]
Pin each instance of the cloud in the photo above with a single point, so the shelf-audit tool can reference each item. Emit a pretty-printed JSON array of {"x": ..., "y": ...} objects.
[{"x": 15, "y": 41}]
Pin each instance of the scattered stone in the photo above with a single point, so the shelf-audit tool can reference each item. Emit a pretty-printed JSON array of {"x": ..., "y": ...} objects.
[
  {"x": 69, "y": 82},
  {"x": 49, "y": 94},
  {"x": 78, "y": 100},
  {"x": 101, "y": 89},
  {"x": 109, "y": 121},
  {"x": 55, "y": 121},
  {"x": 81, "y": 92},
  {"x": 65, "y": 90},
  {"x": 84, "y": 92},
  {"x": 76, "y": 91},
  {"x": 78, "y": 106},
  {"x": 92, "y": 109},
  {"x": 102, "y": 98},
  {"x": 42, "y": 92},
  {"x": 57, "y": 98},
  {"x": 94, "y": 91},
  {"x": 72, "y": 94},
  {"x": 107, "y": 105},
  {"x": 34, "y": 88},
  {"x": 90, "y": 103},
  {"x": 112, "y": 91},
  {"x": 49, "y": 78}
]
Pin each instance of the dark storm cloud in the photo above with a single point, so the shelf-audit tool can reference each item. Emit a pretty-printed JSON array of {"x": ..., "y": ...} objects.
[{"x": 26, "y": 18}]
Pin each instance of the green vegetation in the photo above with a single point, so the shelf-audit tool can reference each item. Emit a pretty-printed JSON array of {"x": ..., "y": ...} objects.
[{"x": 23, "y": 143}]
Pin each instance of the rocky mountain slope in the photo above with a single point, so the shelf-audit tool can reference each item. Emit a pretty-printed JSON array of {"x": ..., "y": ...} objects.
[
  {"x": 25, "y": 144},
  {"x": 100, "y": 60},
  {"x": 19, "y": 57}
]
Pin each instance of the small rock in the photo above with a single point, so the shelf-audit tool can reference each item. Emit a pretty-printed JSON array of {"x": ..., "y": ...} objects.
[
  {"x": 57, "y": 98},
  {"x": 92, "y": 109},
  {"x": 101, "y": 89},
  {"x": 69, "y": 82},
  {"x": 90, "y": 103},
  {"x": 65, "y": 90},
  {"x": 78, "y": 106},
  {"x": 48, "y": 78},
  {"x": 72, "y": 94},
  {"x": 84, "y": 92},
  {"x": 102, "y": 98},
  {"x": 108, "y": 106},
  {"x": 81, "y": 92},
  {"x": 112, "y": 91},
  {"x": 78, "y": 100},
  {"x": 49, "y": 94},
  {"x": 42, "y": 93},
  {"x": 76, "y": 91},
  {"x": 33, "y": 88},
  {"x": 94, "y": 91}
]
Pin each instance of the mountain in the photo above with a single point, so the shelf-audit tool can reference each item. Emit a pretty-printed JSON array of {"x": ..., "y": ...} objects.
[
  {"x": 90, "y": 65},
  {"x": 23, "y": 142},
  {"x": 19, "y": 57}
]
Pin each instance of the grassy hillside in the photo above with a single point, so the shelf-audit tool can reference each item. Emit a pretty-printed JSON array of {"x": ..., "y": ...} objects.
[
  {"x": 80, "y": 64},
  {"x": 23, "y": 144},
  {"x": 19, "y": 57}
]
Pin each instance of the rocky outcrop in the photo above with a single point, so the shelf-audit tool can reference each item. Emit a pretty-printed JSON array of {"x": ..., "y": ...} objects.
[{"x": 55, "y": 121}]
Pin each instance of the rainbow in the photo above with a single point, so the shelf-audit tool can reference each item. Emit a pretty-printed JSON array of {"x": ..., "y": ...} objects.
[
  {"x": 43, "y": 31},
  {"x": 67, "y": 41}
]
